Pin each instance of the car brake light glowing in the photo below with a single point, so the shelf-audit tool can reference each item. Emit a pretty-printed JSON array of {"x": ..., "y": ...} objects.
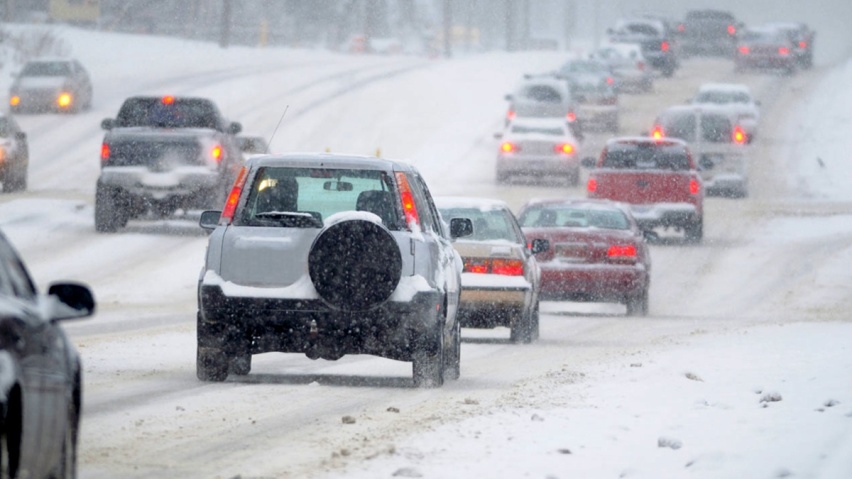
[
  {"x": 409, "y": 208},
  {"x": 803, "y": 45},
  {"x": 565, "y": 148},
  {"x": 507, "y": 267},
  {"x": 694, "y": 186},
  {"x": 473, "y": 265},
  {"x": 664, "y": 46},
  {"x": 783, "y": 51},
  {"x": 743, "y": 50},
  {"x": 104, "y": 151},
  {"x": 610, "y": 80},
  {"x": 732, "y": 30},
  {"x": 64, "y": 100},
  {"x": 15, "y": 100},
  {"x": 234, "y": 197},
  {"x": 510, "y": 114},
  {"x": 571, "y": 117},
  {"x": 168, "y": 100},
  {"x": 216, "y": 153},
  {"x": 657, "y": 132},
  {"x": 508, "y": 147},
  {"x": 621, "y": 251},
  {"x": 592, "y": 185},
  {"x": 739, "y": 135},
  {"x": 681, "y": 27}
]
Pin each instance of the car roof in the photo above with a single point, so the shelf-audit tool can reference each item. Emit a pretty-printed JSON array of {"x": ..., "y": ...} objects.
[
  {"x": 546, "y": 80},
  {"x": 484, "y": 204},
  {"x": 727, "y": 87},
  {"x": 587, "y": 202},
  {"x": 328, "y": 160},
  {"x": 668, "y": 141}
]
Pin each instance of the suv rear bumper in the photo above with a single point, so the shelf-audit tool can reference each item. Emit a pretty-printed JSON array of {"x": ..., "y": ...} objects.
[
  {"x": 666, "y": 215},
  {"x": 310, "y": 326}
]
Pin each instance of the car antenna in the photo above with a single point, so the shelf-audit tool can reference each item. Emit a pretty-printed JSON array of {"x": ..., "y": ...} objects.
[{"x": 276, "y": 128}]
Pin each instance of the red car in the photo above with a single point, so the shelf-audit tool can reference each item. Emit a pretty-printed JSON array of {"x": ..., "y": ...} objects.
[{"x": 597, "y": 252}]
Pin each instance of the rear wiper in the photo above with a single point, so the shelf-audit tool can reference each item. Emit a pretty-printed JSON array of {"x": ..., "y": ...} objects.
[{"x": 296, "y": 219}]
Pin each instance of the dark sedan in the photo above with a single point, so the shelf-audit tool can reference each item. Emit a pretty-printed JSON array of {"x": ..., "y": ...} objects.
[
  {"x": 40, "y": 374},
  {"x": 597, "y": 252},
  {"x": 766, "y": 48}
]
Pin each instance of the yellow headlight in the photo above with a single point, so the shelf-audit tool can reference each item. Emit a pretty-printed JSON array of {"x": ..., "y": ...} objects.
[{"x": 64, "y": 100}]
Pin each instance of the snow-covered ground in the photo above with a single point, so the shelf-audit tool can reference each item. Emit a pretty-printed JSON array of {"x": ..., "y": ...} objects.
[{"x": 741, "y": 369}]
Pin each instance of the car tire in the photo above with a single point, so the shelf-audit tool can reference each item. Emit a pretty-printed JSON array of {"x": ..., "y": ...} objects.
[
  {"x": 694, "y": 232},
  {"x": 427, "y": 362},
  {"x": 67, "y": 466},
  {"x": 15, "y": 180},
  {"x": 10, "y": 440},
  {"x": 452, "y": 360},
  {"x": 110, "y": 214},
  {"x": 211, "y": 364},
  {"x": 521, "y": 328},
  {"x": 638, "y": 305},
  {"x": 240, "y": 365},
  {"x": 668, "y": 71},
  {"x": 534, "y": 323}
]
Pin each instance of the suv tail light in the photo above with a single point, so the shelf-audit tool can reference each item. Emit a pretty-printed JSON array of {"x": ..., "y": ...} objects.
[
  {"x": 564, "y": 148},
  {"x": 510, "y": 115},
  {"x": 506, "y": 267},
  {"x": 592, "y": 185},
  {"x": 104, "y": 152},
  {"x": 803, "y": 45},
  {"x": 784, "y": 51},
  {"x": 234, "y": 197},
  {"x": 739, "y": 135},
  {"x": 664, "y": 46},
  {"x": 571, "y": 117},
  {"x": 409, "y": 208},
  {"x": 508, "y": 147},
  {"x": 732, "y": 30}
]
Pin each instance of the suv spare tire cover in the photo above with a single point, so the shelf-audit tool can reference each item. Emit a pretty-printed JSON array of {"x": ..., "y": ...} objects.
[{"x": 355, "y": 265}]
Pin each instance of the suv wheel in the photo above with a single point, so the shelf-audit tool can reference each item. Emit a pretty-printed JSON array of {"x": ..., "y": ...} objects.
[
  {"x": 211, "y": 363},
  {"x": 521, "y": 331},
  {"x": 534, "y": 323},
  {"x": 694, "y": 232},
  {"x": 15, "y": 179},
  {"x": 452, "y": 360},
  {"x": 428, "y": 362},
  {"x": 240, "y": 364}
]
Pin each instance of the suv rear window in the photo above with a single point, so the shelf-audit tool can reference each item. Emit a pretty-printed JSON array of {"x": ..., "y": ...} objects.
[
  {"x": 574, "y": 216},
  {"x": 646, "y": 156},
  {"x": 158, "y": 113},
  {"x": 304, "y": 197},
  {"x": 679, "y": 125},
  {"x": 716, "y": 129}
]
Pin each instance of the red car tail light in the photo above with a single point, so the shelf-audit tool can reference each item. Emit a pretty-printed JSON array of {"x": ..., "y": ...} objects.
[
  {"x": 234, "y": 197},
  {"x": 732, "y": 30},
  {"x": 409, "y": 208},
  {"x": 623, "y": 253},
  {"x": 508, "y": 147},
  {"x": 803, "y": 45},
  {"x": 784, "y": 51},
  {"x": 592, "y": 185},
  {"x": 664, "y": 46},
  {"x": 564, "y": 148},
  {"x": 610, "y": 80},
  {"x": 571, "y": 117},
  {"x": 104, "y": 151},
  {"x": 510, "y": 114},
  {"x": 743, "y": 50},
  {"x": 739, "y": 135},
  {"x": 694, "y": 187}
]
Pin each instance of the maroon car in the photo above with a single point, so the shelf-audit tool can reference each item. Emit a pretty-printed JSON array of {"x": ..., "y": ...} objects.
[{"x": 597, "y": 252}]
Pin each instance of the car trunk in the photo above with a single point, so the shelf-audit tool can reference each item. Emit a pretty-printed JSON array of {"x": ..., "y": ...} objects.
[
  {"x": 157, "y": 152},
  {"x": 579, "y": 245},
  {"x": 643, "y": 186}
]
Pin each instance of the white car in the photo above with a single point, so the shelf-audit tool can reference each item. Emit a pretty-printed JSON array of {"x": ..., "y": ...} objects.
[
  {"x": 734, "y": 96},
  {"x": 630, "y": 67},
  {"x": 544, "y": 147}
]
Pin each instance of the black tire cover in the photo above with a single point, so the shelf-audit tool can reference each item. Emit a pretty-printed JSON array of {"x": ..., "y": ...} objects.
[{"x": 355, "y": 265}]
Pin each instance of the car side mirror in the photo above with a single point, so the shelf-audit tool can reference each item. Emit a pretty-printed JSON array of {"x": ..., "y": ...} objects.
[
  {"x": 508, "y": 97},
  {"x": 498, "y": 135},
  {"x": 460, "y": 227},
  {"x": 20, "y": 136},
  {"x": 209, "y": 220},
  {"x": 108, "y": 124},
  {"x": 234, "y": 128},
  {"x": 539, "y": 245},
  {"x": 588, "y": 162},
  {"x": 650, "y": 235},
  {"x": 71, "y": 301}
]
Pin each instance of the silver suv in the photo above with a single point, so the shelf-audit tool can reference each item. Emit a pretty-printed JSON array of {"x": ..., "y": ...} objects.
[{"x": 329, "y": 255}]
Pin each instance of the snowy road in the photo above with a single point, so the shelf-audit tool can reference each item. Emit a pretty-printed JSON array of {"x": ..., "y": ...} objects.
[{"x": 146, "y": 415}]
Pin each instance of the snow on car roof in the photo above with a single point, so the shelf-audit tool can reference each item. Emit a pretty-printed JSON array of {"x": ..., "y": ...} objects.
[
  {"x": 483, "y": 204},
  {"x": 328, "y": 160},
  {"x": 728, "y": 87}
]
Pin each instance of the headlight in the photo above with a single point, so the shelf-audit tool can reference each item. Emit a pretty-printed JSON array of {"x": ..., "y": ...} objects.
[
  {"x": 64, "y": 100},
  {"x": 15, "y": 100}
]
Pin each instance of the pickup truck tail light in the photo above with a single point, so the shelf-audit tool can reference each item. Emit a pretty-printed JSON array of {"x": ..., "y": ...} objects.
[
  {"x": 564, "y": 149},
  {"x": 506, "y": 267},
  {"x": 508, "y": 147},
  {"x": 592, "y": 185},
  {"x": 233, "y": 198},
  {"x": 743, "y": 50},
  {"x": 694, "y": 186},
  {"x": 510, "y": 115},
  {"x": 571, "y": 117},
  {"x": 409, "y": 207},
  {"x": 783, "y": 51},
  {"x": 732, "y": 30},
  {"x": 803, "y": 45}
]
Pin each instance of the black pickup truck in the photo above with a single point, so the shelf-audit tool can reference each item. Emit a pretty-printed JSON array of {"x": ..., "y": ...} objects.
[{"x": 162, "y": 155}]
